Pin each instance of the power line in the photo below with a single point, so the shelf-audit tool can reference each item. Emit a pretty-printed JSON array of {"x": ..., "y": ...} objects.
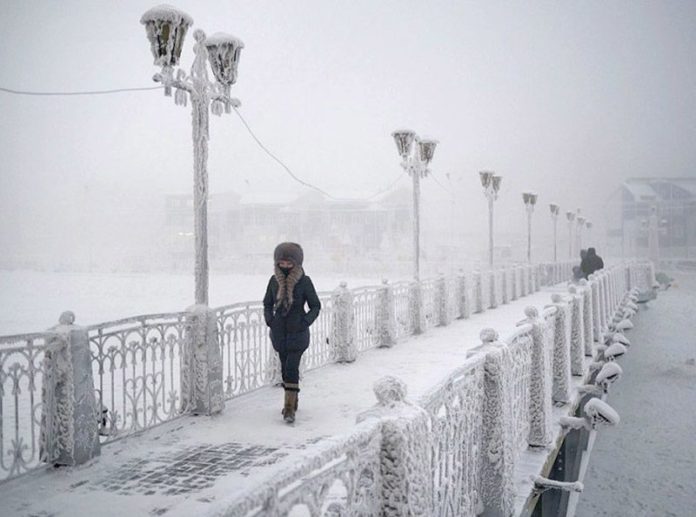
[
  {"x": 89, "y": 92},
  {"x": 302, "y": 182},
  {"x": 432, "y": 174},
  {"x": 244, "y": 122}
]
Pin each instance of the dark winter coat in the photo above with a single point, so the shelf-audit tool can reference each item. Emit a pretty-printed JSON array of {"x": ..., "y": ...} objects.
[
  {"x": 291, "y": 327},
  {"x": 591, "y": 263}
]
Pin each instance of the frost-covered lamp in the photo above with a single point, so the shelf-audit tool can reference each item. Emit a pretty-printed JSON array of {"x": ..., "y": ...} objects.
[
  {"x": 530, "y": 199},
  {"x": 570, "y": 216},
  {"x": 223, "y": 54},
  {"x": 166, "y": 29},
  {"x": 555, "y": 210},
  {"x": 525, "y": 197},
  {"x": 426, "y": 150},
  {"x": 486, "y": 178},
  {"x": 404, "y": 142},
  {"x": 496, "y": 183}
]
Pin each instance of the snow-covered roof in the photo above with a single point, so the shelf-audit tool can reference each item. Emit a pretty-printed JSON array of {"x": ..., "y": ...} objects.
[
  {"x": 222, "y": 38},
  {"x": 166, "y": 12},
  {"x": 640, "y": 190}
]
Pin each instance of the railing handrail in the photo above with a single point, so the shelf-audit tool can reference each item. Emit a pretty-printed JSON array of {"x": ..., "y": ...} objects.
[{"x": 134, "y": 319}]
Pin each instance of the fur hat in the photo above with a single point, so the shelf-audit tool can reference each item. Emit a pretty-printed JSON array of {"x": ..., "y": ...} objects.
[{"x": 289, "y": 251}]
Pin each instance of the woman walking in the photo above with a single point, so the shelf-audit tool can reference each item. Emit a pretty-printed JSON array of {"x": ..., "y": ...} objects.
[{"x": 289, "y": 289}]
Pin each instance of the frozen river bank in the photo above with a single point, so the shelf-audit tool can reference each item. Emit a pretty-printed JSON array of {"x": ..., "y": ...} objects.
[{"x": 646, "y": 466}]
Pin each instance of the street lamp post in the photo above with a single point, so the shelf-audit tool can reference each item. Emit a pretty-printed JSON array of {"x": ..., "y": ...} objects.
[
  {"x": 491, "y": 186},
  {"x": 166, "y": 29},
  {"x": 415, "y": 160},
  {"x": 555, "y": 210},
  {"x": 530, "y": 200},
  {"x": 571, "y": 217},
  {"x": 588, "y": 226},
  {"x": 578, "y": 233}
]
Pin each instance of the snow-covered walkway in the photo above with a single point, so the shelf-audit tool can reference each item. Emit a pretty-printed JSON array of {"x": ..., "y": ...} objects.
[{"x": 186, "y": 466}]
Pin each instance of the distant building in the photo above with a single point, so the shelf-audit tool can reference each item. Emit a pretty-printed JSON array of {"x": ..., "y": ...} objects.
[
  {"x": 675, "y": 201},
  {"x": 249, "y": 226}
]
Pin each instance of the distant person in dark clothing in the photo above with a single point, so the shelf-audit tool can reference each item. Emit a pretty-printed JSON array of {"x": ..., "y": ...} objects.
[
  {"x": 591, "y": 263},
  {"x": 289, "y": 289}
]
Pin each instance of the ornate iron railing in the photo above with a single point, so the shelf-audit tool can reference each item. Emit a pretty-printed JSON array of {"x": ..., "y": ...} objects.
[
  {"x": 452, "y": 292},
  {"x": 365, "y": 301},
  {"x": 456, "y": 408},
  {"x": 248, "y": 359},
  {"x": 518, "y": 367},
  {"x": 320, "y": 352},
  {"x": 429, "y": 294},
  {"x": 402, "y": 309},
  {"x": 136, "y": 363},
  {"x": 340, "y": 477},
  {"x": 21, "y": 379}
]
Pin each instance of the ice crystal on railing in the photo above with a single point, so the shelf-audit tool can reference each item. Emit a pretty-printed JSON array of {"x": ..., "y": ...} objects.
[
  {"x": 577, "y": 345},
  {"x": 497, "y": 490},
  {"x": 406, "y": 451},
  {"x": 478, "y": 292},
  {"x": 561, "y": 352},
  {"x": 56, "y": 419},
  {"x": 343, "y": 337},
  {"x": 539, "y": 382},
  {"x": 386, "y": 316}
]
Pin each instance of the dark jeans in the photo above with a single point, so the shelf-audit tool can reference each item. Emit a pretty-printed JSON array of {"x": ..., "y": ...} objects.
[{"x": 290, "y": 348}]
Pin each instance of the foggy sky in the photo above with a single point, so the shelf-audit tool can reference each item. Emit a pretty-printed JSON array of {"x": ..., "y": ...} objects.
[{"x": 563, "y": 98}]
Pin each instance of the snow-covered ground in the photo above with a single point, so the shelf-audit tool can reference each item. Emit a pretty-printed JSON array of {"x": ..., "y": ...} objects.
[
  {"x": 646, "y": 466},
  {"x": 31, "y": 301}
]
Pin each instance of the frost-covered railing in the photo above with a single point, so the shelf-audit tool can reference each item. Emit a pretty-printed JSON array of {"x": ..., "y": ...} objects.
[
  {"x": 518, "y": 368},
  {"x": 339, "y": 476},
  {"x": 248, "y": 359},
  {"x": 455, "y": 407},
  {"x": 430, "y": 302},
  {"x": 365, "y": 300},
  {"x": 21, "y": 380},
  {"x": 402, "y": 309},
  {"x": 136, "y": 365},
  {"x": 457, "y": 449},
  {"x": 320, "y": 352}
]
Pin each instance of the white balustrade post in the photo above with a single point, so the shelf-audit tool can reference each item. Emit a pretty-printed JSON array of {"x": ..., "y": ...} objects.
[
  {"x": 343, "y": 339},
  {"x": 524, "y": 290},
  {"x": 540, "y": 408},
  {"x": 596, "y": 321},
  {"x": 406, "y": 458},
  {"x": 69, "y": 432},
  {"x": 202, "y": 390},
  {"x": 415, "y": 302},
  {"x": 504, "y": 280},
  {"x": 577, "y": 329},
  {"x": 464, "y": 302},
  {"x": 561, "y": 351},
  {"x": 478, "y": 292},
  {"x": 492, "y": 294},
  {"x": 442, "y": 300},
  {"x": 587, "y": 317},
  {"x": 386, "y": 316},
  {"x": 497, "y": 465}
]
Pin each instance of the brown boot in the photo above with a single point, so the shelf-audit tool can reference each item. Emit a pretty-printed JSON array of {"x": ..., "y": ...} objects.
[{"x": 290, "y": 407}]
